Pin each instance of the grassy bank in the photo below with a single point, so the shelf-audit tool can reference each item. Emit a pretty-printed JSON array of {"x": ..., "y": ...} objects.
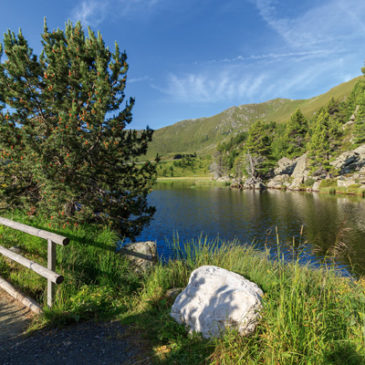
[
  {"x": 191, "y": 182},
  {"x": 329, "y": 186},
  {"x": 185, "y": 166},
  {"x": 309, "y": 316}
]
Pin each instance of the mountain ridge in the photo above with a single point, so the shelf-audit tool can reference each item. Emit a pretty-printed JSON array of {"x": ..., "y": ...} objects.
[{"x": 202, "y": 135}]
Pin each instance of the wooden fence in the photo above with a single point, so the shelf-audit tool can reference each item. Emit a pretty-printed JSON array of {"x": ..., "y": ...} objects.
[{"x": 47, "y": 272}]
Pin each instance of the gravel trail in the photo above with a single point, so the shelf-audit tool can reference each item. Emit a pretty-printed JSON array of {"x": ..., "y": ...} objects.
[{"x": 90, "y": 343}]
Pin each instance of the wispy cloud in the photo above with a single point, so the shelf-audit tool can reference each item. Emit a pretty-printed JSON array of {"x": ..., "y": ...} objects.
[
  {"x": 247, "y": 83},
  {"x": 94, "y": 12},
  {"x": 208, "y": 88},
  {"x": 90, "y": 12},
  {"x": 319, "y": 44},
  {"x": 134, "y": 80},
  {"x": 276, "y": 56},
  {"x": 328, "y": 23}
]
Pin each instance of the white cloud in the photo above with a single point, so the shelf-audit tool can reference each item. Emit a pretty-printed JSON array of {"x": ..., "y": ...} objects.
[
  {"x": 213, "y": 87},
  {"x": 242, "y": 83},
  {"x": 134, "y": 80},
  {"x": 275, "y": 56},
  {"x": 94, "y": 12},
  {"x": 317, "y": 49},
  {"x": 90, "y": 12},
  {"x": 328, "y": 24}
]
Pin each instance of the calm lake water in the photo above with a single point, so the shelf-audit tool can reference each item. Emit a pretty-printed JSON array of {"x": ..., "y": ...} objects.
[{"x": 251, "y": 216}]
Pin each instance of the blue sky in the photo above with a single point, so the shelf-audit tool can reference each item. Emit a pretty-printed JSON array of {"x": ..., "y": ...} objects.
[{"x": 195, "y": 58}]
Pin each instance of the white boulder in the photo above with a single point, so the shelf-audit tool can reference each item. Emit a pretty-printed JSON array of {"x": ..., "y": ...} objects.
[{"x": 215, "y": 299}]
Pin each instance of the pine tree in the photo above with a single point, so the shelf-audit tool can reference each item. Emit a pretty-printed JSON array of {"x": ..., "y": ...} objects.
[
  {"x": 65, "y": 149},
  {"x": 359, "y": 130},
  {"x": 259, "y": 148},
  {"x": 356, "y": 101},
  {"x": 319, "y": 144},
  {"x": 295, "y": 134}
]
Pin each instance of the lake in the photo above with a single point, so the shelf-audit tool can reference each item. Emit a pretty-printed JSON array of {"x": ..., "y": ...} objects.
[{"x": 250, "y": 216}]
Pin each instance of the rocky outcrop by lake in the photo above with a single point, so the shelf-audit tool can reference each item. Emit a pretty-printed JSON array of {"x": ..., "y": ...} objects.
[{"x": 349, "y": 176}]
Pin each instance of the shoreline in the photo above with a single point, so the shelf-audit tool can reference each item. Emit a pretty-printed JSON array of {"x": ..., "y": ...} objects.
[{"x": 332, "y": 190}]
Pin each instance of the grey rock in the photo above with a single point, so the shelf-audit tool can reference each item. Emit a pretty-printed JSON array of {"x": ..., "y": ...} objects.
[
  {"x": 285, "y": 166},
  {"x": 16, "y": 249},
  {"x": 300, "y": 173},
  {"x": 345, "y": 182},
  {"x": 350, "y": 161},
  {"x": 173, "y": 293},
  {"x": 254, "y": 183},
  {"x": 279, "y": 182},
  {"x": 142, "y": 255},
  {"x": 259, "y": 186},
  {"x": 216, "y": 299},
  {"x": 315, "y": 186}
]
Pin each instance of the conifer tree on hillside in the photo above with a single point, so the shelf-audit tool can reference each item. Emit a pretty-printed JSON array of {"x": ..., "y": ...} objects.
[
  {"x": 63, "y": 139},
  {"x": 336, "y": 120},
  {"x": 356, "y": 101},
  {"x": 359, "y": 130},
  {"x": 259, "y": 149},
  {"x": 319, "y": 145},
  {"x": 295, "y": 134}
]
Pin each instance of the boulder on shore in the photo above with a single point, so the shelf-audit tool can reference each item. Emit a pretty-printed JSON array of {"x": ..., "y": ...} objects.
[
  {"x": 300, "y": 173},
  {"x": 142, "y": 255},
  {"x": 285, "y": 166},
  {"x": 216, "y": 299},
  {"x": 254, "y": 183},
  {"x": 279, "y": 182},
  {"x": 350, "y": 161}
]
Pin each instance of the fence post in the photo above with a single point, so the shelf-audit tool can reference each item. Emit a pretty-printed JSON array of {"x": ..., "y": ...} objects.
[{"x": 51, "y": 264}]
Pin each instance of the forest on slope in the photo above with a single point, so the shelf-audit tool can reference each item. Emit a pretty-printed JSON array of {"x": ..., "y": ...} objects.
[{"x": 335, "y": 128}]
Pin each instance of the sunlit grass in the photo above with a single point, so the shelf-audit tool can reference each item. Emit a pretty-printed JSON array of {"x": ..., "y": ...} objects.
[{"x": 309, "y": 316}]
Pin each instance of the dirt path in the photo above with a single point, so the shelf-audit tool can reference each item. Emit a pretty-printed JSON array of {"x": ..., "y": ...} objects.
[
  {"x": 89, "y": 343},
  {"x": 14, "y": 318}
]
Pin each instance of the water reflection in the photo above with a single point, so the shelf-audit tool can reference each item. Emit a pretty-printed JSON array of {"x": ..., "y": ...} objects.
[{"x": 251, "y": 216}]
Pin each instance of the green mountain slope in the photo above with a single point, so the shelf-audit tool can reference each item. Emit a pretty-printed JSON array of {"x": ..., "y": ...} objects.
[{"x": 202, "y": 135}]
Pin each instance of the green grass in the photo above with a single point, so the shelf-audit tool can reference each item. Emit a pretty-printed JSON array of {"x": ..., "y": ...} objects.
[
  {"x": 327, "y": 183},
  {"x": 97, "y": 281},
  {"x": 309, "y": 316},
  {"x": 329, "y": 186},
  {"x": 191, "y": 182},
  {"x": 198, "y": 167}
]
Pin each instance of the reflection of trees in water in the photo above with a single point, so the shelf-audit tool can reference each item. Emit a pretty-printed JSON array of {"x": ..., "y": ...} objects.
[{"x": 332, "y": 224}]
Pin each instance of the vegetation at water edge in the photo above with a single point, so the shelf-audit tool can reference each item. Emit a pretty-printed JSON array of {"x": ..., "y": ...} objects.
[{"x": 309, "y": 315}]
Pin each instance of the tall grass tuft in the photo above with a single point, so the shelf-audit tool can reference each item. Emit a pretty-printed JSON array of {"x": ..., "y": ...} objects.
[{"x": 309, "y": 316}]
